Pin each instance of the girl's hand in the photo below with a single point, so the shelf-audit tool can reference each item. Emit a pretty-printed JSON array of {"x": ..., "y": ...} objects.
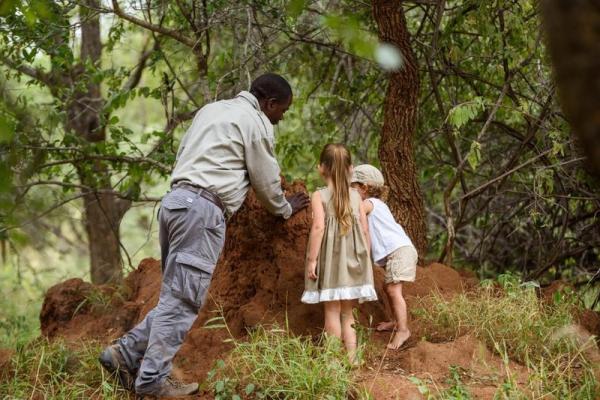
[{"x": 311, "y": 269}]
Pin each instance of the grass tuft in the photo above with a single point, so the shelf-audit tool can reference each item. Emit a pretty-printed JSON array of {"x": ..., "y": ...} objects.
[
  {"x": 511, "y": 315},
  {"x": 516, "y": 324},
  {"x": 54, "y": 370},
  {"x": 272, "y": 363}
]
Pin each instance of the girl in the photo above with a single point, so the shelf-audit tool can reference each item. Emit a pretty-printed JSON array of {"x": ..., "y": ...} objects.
[
  {"x": 338, "y": 265},
  {"x": 390, "y": 246}
]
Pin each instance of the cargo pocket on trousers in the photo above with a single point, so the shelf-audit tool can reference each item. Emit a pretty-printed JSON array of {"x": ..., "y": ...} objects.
[
  {"x": 190, "y": 284},
  {"x": 177, "y": 201}
]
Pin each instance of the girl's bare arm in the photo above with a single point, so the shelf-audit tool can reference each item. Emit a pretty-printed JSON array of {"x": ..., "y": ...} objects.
[{"x": 316, "y": 233}]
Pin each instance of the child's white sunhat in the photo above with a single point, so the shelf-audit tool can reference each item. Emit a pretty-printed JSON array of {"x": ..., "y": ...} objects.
[{"x": 367, "y": 174}]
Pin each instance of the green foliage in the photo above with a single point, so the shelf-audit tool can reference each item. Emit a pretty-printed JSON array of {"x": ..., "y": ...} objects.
[
  {"x": 19, "y": 319},
  {"x": 349, "y": 29},
  {"x": 295, "y": 7},
  {"x": 463, "y": 113}
]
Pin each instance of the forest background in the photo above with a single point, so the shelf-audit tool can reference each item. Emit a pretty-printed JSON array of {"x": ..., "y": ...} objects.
[{"x": 461, "y": 111}]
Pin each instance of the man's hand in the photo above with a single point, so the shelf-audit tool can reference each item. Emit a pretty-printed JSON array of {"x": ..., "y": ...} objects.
[{"x": 298, "y": 201}]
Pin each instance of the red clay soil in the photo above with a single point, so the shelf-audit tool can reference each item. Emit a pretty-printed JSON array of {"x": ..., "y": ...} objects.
[
  {"x": 5, "y": 356},
  {"x": 478, "y": 367}
]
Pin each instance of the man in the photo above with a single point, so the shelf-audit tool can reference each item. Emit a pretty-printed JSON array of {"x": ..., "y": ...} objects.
[{"x": 227, "y": 149}]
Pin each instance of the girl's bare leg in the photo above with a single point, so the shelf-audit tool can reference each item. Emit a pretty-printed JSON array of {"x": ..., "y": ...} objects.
[
  {"x": 348, "y": 332},
  {"x": 394, "y": 291},
  {"x": 332, "y": 318}
]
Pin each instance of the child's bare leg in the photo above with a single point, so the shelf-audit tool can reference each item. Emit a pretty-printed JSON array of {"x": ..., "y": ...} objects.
[
  {"x": 387, "y": 325},
  {"x": 348, "y": 332},
  {"x": 332, "y": 318},
  {"x": 394, "y": 291}
]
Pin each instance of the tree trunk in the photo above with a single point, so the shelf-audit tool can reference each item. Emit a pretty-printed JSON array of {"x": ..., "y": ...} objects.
[
  {"x": 399, "y": 125},
  {"x": 102, "y": 212},
  {"x": 573, "y": 31},
  {"x": 103, "y": 215}
]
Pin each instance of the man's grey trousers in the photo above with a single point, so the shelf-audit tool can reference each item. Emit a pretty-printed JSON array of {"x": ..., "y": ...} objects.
[{"x": 191, "y": 235}]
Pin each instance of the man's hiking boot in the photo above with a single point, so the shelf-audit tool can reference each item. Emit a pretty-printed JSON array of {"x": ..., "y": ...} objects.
[
  {"x": 174, "y": 388},
  {"x": 112, "y": 361}
]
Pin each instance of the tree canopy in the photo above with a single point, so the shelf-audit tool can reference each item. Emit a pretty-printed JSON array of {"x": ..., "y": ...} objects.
[{"x": 96, "y": 96}]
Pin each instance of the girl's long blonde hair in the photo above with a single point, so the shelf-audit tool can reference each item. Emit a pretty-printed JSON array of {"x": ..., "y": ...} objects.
[{"x": 336, "y": 161}]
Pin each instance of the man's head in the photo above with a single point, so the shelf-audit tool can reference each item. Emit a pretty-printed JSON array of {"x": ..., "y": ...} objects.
[{"x": 274, "y": 95}]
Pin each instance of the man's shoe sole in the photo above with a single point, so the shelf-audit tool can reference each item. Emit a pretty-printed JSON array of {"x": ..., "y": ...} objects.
[{"x": 159, "y": 395}]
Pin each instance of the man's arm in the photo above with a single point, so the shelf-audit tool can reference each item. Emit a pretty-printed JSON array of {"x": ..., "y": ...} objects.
[{"x": 264, "y": 171}]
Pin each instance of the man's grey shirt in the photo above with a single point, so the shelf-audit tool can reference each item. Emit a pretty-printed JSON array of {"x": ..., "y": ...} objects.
[{"x": 229, "y": 147}]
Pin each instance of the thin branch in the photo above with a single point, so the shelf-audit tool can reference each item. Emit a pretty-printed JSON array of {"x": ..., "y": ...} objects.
[
  {"x": 502, "y": 176},
  {"x": 136, "y": 76},
  {"x": 90, "y": 189},
  {"x": 43, "y": 214},
  {"x": 131, "y": 160},
  {"x": 154, "y": 28},
  {"x": 35, "y": 73}
]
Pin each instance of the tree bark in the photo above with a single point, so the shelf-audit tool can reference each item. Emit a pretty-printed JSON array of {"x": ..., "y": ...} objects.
[
  {"x": 102, "y": 212},
  {"x": 399, "y": 124},
  {"x": 573, "y": 32}
]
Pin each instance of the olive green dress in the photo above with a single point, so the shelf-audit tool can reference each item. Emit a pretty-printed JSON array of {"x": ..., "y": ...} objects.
[{"x": 344, "y": 267}]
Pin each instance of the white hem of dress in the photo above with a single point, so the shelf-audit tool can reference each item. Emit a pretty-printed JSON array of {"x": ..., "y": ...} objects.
[{"x": 362, "y": 293}]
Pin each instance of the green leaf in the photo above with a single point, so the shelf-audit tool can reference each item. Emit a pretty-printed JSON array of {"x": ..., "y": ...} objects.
[
  {"x": 463, "y": 113},
  {"x": 295, "y": 8},
  {"x": 7, "y": 7},
  {"x": 220, "y": 386},
  {"x": 474, "y": 155},
  {"x": 7, "y": 129},
  {"x": 250, "y": 388}
]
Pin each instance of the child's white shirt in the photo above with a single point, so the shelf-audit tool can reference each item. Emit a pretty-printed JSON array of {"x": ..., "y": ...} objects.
[{"x": 386, "y": 234}]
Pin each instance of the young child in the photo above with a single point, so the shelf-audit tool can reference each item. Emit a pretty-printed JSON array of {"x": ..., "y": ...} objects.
[
  {"x": 390, "y": 248},
  {"x": 338, "y": 265}
]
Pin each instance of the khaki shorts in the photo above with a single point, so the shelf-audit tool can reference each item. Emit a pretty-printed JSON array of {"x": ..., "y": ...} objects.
[{"x": 401, "y": 265}]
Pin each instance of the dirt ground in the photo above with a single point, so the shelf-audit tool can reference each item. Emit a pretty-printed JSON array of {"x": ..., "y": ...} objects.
[{"x": 259, "y": 280}]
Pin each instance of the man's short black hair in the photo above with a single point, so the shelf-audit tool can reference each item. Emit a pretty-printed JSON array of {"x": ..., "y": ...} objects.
[{"x": 271, "y": 86}]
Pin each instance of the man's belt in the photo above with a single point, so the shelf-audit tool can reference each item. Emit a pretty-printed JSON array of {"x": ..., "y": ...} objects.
[{"x": 204, "y": 193}]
